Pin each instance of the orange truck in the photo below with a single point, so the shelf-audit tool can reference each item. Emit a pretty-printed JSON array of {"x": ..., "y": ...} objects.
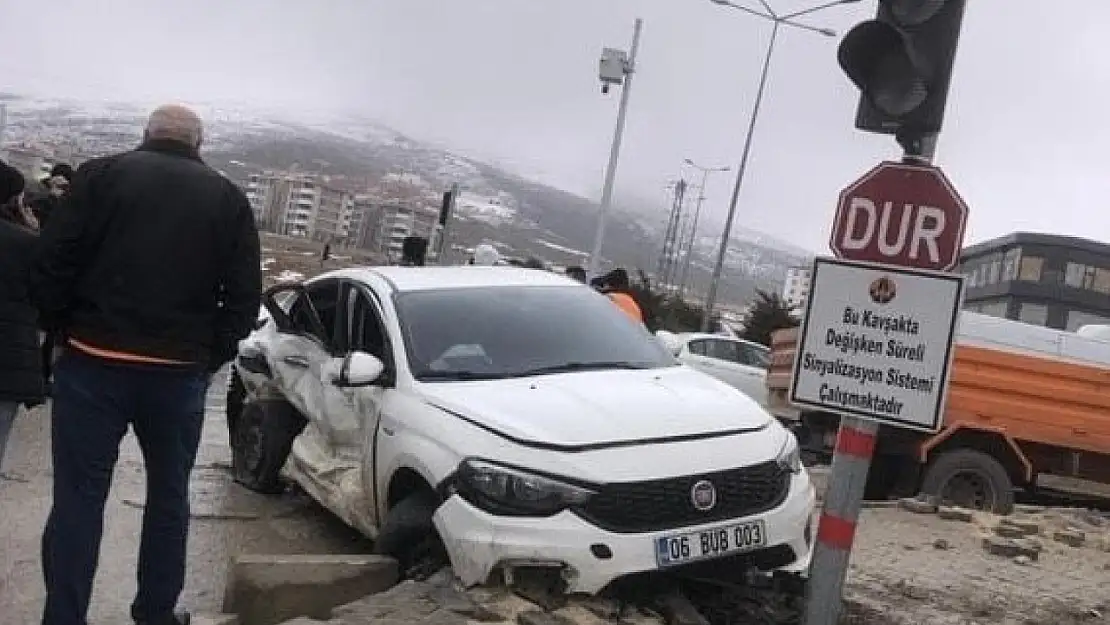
[{"x": 1024, "y": 401}]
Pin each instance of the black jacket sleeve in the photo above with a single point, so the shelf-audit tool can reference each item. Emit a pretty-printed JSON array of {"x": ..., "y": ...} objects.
[
  {"x": 67, "y": 244},
  {"x": 241, "y": 284}
]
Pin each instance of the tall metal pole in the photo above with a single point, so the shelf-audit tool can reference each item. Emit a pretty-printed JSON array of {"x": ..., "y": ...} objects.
[
  {"x": 693, "y": 235},
  {"x": 836, "y": 530},
  {"x": 614, "y": 153},
  {"x": 3, "y": 121},
  {"x": 714, "y": 283}
]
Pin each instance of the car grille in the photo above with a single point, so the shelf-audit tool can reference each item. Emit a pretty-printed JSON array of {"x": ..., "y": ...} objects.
[{"x": 634, "y": 507}]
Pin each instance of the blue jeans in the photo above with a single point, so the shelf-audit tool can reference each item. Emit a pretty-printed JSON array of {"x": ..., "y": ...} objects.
[
  {"x": 8, "y": 411},
  {"x": 94, "y": 403}
]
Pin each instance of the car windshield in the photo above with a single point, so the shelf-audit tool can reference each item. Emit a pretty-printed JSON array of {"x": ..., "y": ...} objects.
[{"x": 517, "y": 331}]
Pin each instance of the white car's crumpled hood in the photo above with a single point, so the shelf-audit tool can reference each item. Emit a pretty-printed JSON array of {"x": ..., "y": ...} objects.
[{"x": 601, "y": 407}]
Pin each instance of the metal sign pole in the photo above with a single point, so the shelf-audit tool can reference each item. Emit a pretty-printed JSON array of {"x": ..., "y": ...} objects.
[{"x": 836, "y": 530}]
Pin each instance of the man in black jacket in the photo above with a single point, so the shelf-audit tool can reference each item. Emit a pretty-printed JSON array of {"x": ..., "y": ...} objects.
[
  {"x": 19, "y": 334},
  {"x": 150, "y": 271}
]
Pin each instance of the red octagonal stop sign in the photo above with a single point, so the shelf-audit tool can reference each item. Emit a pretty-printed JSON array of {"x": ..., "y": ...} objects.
[{"x": 900, "y": 214}]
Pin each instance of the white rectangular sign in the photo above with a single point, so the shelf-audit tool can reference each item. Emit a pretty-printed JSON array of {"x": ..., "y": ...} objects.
[{"x": 876, "y": 342}]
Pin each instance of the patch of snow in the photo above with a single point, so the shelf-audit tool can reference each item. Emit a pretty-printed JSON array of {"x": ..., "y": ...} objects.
[
  {"x": 561, "y": 248},
  {"x": 290, "y": 276}
]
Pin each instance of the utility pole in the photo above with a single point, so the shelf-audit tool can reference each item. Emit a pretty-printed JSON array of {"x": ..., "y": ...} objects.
[
  {"x": 666, "y": 259},
  {"x": 627, "y": 70},
  {"x": 670, "y": 254},
  {"x": 668, "y": 231},
  {"x": 705, "y": 171},
  {"x": 778, "y": 20}
]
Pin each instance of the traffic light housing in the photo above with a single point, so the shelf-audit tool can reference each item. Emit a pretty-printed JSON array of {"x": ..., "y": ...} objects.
[{"x": 902, "y": 63}]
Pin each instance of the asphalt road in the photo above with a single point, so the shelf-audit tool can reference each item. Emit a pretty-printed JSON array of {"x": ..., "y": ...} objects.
[{"x": 226, "y": 520}]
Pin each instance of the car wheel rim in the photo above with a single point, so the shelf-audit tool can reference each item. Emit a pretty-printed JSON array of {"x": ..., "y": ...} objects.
[{"x": 969, "y": 489}]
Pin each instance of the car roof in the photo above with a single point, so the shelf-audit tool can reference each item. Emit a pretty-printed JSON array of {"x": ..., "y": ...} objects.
[
  {"x": 406, "y": 279},
  {"x": 691, "y": 336}
]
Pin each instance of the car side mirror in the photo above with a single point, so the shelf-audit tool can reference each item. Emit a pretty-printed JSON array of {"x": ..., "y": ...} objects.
[{"x": 359, "y": 369}]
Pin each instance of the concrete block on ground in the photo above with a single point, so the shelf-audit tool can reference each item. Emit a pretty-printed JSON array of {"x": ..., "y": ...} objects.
[
  {"x": 918, "y": 505},
  {"x": 509, "y": 606},
  {"x": 539, "y": 617},
  {"x": 581, "y": 615},
  {"x": 1029, "y": 543},
  {"x": 1009, "y": 548},
  {"x": 641, "y": 617},
  {"x": 1030, "y": 527},
  {"x": 405, "y": 602},
  {"x": 215, "y": 619},
  {"x": 1009, "y": 531},
  {"x": 605, "y": 608},
  {"x": 271, "y": 589},
  {"x": 1070, "y": 537},
  {"x": 679, "y": 610},
  {"x": 950, "y": 513}
]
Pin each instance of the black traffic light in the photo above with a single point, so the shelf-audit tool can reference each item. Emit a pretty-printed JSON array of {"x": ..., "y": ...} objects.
[
  {"x": 902, "y": 63},
  {"x": 414, "y": 251},
  {"x": 446, "y": 207}
]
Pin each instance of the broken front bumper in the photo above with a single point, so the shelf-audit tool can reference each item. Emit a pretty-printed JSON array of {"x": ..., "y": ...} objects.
[{"x": 479, "y": 543}]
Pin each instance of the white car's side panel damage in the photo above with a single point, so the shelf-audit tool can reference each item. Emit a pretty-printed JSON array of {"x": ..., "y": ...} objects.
[{"x": 327, "y": 458}]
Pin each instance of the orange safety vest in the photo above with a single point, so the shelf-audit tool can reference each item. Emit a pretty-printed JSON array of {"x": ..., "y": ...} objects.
[{"x": 628, "y": 304}]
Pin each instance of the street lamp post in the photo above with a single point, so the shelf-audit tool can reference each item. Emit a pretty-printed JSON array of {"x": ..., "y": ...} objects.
[
  {"x": 777, "y": 21},
  {"x": 705, "y": 171},
  {"x": 626, "y": 70}
]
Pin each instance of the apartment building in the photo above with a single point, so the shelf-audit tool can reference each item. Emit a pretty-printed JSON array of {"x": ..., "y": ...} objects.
[
  {"x": 269, "y": 194},
  {"x": 300, "y": 206},
  {"x": 365, "y": 222},
  {"x": 402, "y": 220},
  {"x": 795, "y": 290}
]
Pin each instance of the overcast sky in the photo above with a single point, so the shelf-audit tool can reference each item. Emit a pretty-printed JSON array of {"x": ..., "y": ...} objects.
[{"x": 515, "y": 81}]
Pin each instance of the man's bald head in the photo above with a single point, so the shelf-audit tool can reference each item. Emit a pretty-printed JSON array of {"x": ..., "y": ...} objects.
[{"x": 175, "y": 123}]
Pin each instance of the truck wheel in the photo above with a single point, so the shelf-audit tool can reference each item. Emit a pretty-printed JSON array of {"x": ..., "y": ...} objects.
[
  {"x": 263, "y": 435},
  {"x": 408, "y": 533},
  {"x": 970, "y": 479},
  {"x": 236, "y": 397}
]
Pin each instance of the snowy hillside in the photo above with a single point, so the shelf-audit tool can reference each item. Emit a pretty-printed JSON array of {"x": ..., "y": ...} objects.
[{"x": 536, "y": 218}]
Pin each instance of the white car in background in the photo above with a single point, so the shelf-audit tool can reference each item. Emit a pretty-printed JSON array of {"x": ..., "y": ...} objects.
[
  {"x": 525, "y": 418},
  {"x": 739, "y": 363}
]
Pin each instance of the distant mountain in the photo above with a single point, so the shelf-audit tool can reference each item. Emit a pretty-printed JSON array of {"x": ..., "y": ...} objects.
[{"x": 526, "y": 217}]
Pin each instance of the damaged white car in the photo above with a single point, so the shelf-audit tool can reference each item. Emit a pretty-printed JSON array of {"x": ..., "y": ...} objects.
[{"x": 519, "y": 414}]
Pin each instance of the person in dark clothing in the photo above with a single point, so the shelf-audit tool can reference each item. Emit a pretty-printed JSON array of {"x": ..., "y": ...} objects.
[
  {"x": 20, "y": 383},
  {"x": 576, "y": 273},
  {"x": 56, "y": 187},
  {"x": 150, "y": 271}
]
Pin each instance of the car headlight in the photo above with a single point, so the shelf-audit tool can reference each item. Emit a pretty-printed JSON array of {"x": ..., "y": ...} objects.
[
  {"x": 790, "y": 457},
  {"x": 506, "y": 491}
]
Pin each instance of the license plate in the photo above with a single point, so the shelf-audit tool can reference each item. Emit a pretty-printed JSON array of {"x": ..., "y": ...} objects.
[{"x": 711, "y": 543}]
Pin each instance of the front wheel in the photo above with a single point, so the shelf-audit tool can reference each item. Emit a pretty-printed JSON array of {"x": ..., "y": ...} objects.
[
  {"x": 970, "y": 479},
  {"x": 408, "y": 533},
  {"x": 263, "y": 438}
]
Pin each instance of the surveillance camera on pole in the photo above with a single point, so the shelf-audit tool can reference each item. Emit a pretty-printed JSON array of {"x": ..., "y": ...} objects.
[
  {"x": 616, "y": 68},
  {"x": 613, "y": 68},
  {"x": 902, "y": 63}
]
